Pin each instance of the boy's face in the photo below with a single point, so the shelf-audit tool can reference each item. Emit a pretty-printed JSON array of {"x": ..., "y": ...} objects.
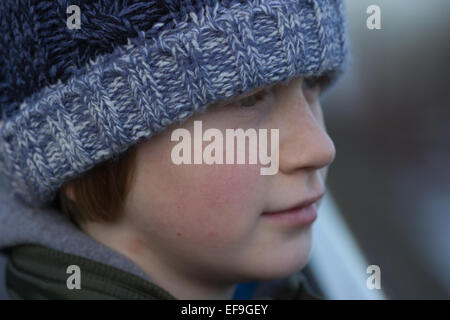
[{"x": 206, "y": 221}]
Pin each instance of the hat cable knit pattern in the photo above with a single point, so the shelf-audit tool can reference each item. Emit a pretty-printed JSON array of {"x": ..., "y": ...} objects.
[{"x": 70, "y": 99}]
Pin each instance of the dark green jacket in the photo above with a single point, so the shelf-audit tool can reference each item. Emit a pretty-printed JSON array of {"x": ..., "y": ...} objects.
[{"x": 38, "y": 272}]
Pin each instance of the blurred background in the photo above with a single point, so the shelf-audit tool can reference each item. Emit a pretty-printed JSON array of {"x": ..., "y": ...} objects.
[{"x": 389, "y": 117}]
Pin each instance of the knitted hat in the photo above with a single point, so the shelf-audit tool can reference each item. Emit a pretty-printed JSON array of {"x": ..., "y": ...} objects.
[{"x": 72, "y": 98}]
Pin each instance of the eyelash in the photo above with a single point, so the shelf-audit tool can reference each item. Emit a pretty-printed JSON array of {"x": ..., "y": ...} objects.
[
  {"x": 262, "y": 94},
  {"x": 322, "y": 82}
]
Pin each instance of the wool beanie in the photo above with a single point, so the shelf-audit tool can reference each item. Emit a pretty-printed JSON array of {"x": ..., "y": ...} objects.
[{"x": 72, "y": 98}]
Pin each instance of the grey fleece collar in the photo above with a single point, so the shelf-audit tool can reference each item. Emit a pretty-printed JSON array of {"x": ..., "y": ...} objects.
[{"x": 20, "y": 224}]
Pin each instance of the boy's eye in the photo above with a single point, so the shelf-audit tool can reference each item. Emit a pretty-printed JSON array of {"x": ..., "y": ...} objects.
[
  {"x": 311, "y": 89},
  {"x": 311, "y": 83},
  {"x": 316, "y": 84},
  {"x": 253, "y": 99}
]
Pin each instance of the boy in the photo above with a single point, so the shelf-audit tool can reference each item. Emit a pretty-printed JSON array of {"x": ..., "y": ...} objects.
[{"x": 88, "y": 126}]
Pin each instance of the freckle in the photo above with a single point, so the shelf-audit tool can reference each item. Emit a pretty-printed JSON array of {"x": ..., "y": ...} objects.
[
  {"x": 179, "y": 234},
  {"x": 211, "y": 234}
]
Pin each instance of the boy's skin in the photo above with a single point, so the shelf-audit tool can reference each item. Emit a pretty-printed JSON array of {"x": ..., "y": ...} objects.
[{"x": 197, "y": 230}]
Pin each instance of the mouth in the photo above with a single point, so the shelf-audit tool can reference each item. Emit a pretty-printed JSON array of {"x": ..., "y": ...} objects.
[{"x": 300, "y": 214}]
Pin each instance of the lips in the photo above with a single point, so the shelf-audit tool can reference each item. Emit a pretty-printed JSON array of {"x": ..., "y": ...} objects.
[
  {"x": 299, "y": 206},
  {"x": 299, "y": 215}
]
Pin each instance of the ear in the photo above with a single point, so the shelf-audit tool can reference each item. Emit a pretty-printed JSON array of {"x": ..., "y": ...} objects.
[{"x": 67, "y": 190}]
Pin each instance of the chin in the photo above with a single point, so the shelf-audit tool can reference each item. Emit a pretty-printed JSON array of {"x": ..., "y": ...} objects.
[
  {"x": 288, "y": 258},
  {"x": 290, "y": 265}
]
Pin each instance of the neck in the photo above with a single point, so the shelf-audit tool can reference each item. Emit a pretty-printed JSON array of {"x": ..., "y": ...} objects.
[{"x": 172, "y": 275}]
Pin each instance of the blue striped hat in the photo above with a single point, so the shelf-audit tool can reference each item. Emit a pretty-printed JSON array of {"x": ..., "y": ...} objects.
[{"x": 72, "y": 98}]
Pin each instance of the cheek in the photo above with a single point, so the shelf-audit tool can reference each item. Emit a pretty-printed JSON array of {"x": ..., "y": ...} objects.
[
  {"x": 221, "y": 203},
  {"x": 207, "y": 205}
]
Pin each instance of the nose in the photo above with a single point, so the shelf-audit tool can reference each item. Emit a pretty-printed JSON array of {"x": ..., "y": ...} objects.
[{"x": 304, "y": 141}]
